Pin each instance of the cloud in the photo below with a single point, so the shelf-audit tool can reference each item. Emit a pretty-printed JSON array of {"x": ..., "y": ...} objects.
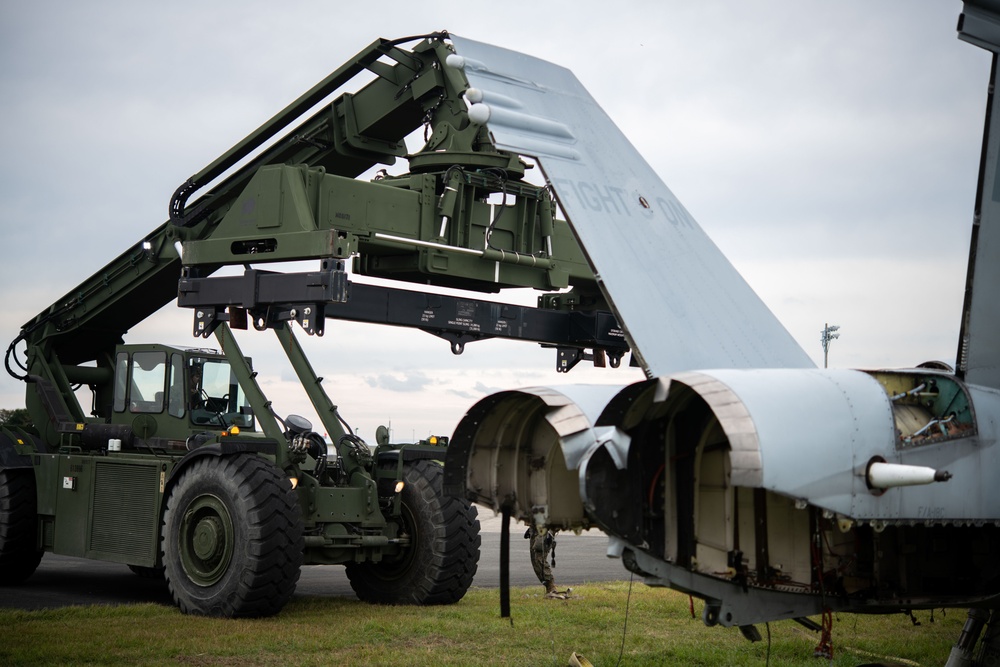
[
  {"x": 408, "y": 382},
  {"x": 478, "y": 390},
  {"x": 485, "y": 389},
  {"x": 466, "y": 395}
]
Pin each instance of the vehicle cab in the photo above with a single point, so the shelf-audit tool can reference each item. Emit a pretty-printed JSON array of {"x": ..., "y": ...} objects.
[{"x": 167, "y": 394}]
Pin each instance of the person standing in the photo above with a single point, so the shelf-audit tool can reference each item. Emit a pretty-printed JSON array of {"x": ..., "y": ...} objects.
[{"x": 542, "y": 547}]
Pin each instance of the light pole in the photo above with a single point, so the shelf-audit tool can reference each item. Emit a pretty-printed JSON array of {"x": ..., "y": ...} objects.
[{"x": 828, "y": 334}]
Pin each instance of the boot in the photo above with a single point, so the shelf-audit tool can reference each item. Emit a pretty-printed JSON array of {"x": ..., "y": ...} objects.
[{"x": 552, "y": 593}]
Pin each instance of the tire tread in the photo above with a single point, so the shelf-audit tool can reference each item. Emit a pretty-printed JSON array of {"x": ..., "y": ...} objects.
[
  {"x": 446, "y": 557},
  {"x": 273, "y": 548},
  {"x": 19, "y": 552}
]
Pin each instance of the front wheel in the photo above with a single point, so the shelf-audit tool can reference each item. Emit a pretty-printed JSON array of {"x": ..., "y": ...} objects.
[
  {"x": 19, "y": 552},
  {"x": 232, "y": 538},
  {"x": 438, "y": 565}
]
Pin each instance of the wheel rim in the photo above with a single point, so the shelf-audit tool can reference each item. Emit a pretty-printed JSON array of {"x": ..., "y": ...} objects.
[
  {"x": 398, "y": 567},
  {"x": 206, "y": 540}
]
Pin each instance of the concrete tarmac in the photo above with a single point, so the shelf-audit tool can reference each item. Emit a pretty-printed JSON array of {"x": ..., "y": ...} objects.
[{"x": 61, "y": 581}]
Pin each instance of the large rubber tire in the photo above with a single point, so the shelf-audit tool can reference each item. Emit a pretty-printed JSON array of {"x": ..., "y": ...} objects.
[
  {"x": 19, "y": 552},
  {"x": 438, "y": 566},
  {"x": 232, "y": 538}
]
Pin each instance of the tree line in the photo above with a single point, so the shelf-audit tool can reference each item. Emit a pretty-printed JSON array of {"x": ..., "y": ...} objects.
[{"x": 18, "y": 418}]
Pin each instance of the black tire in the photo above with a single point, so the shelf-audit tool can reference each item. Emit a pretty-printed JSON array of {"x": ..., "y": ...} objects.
[
  {"x": 438, "y": 566},
  {"x": 19, "y": 552},
  {"x": 232, "y": 538}
]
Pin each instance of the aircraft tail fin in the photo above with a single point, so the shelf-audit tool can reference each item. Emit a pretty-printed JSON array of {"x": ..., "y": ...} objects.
[
  {"x": 979, "y": 344},
  {"x": 681, "y": 302}
]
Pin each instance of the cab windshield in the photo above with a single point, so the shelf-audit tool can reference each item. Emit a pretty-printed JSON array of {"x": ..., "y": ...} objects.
[{"x": 216, "y": 398}]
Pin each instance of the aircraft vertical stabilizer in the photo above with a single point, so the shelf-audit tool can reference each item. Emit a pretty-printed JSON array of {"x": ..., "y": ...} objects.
[
  {"x": 979, "y": 345},
  {"x": 682, "y": 303}
]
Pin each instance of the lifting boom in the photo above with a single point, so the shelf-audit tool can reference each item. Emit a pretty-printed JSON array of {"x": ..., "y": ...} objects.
[{"x": 169, "y": 454}]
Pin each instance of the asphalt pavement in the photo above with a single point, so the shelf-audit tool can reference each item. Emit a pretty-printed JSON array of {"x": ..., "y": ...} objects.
[{"x": 61, "y": 581}]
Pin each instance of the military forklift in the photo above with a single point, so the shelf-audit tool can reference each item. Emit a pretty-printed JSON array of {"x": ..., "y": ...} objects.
[{"x": 181, "y": 468}]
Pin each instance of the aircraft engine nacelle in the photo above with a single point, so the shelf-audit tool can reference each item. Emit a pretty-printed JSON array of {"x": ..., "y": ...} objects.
[
  {"x": 520, "y": 451},
  {"x": 778, "y": 493}
]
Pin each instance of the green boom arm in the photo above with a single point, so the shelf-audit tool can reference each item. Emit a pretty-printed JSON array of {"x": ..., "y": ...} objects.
[{"x": 463, "y": 217}]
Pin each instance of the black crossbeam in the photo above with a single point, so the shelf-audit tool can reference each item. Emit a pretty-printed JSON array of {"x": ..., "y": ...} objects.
[{"x": 310, "y": 297}]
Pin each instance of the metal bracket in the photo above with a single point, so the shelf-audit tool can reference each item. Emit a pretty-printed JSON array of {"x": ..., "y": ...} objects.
[
  {"x": 270, "y": 298},
  {"x": 568, "y": 357}
]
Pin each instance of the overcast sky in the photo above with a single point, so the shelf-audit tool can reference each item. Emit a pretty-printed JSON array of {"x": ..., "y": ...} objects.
[{"x": 830, "y": 150}]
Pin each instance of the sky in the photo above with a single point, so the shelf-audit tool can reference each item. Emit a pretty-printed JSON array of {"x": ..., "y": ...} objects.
[{"x": 829, "y": 149}]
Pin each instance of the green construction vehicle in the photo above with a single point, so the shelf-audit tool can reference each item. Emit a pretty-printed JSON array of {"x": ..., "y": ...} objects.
[{"x": 182, "y": 468}]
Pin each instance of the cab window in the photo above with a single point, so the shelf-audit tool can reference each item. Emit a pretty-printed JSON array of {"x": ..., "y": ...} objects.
[{"x": 148, "y": 381}]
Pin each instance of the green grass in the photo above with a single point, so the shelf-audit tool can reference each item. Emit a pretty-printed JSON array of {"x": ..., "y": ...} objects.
[{"x": 343, "y": 631}]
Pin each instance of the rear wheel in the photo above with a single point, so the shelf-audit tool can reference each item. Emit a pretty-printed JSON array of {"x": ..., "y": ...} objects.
[
  {"x": 438, "y": 565},
  {"x": 232, "y": 538},
  {"x": 19, "y": 552}
]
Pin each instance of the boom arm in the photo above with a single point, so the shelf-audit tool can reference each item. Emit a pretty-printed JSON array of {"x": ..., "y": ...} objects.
[
  {"x": 462, "y": 217},
  {"x": 94, "y": 316}
]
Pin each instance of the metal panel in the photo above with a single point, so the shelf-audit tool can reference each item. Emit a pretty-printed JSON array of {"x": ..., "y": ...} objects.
[
  {"x": 816, "y": 430},
  {"x": 125, "y": 525},
  {"x": 685, "y": 307},
  {"x": 73, "y": 481}
]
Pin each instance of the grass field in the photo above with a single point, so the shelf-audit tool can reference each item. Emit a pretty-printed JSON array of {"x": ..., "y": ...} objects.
[{"x": 343, "y": 631}]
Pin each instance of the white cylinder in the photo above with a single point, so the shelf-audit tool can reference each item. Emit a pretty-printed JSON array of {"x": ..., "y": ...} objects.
[
  {"x": 889, "y": 475},
  {"x": 479, "y": 113}
]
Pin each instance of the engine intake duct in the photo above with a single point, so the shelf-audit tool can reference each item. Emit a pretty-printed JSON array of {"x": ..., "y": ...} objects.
[{"x": 520, "y": 451}]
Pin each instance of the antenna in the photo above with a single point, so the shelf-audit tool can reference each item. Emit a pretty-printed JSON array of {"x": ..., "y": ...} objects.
[{"x": 827, "y": 335}]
